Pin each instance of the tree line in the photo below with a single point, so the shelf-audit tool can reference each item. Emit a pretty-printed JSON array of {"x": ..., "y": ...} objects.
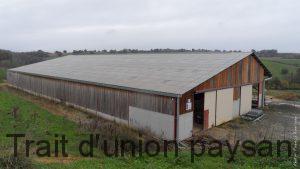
[{"x": 157, "y": 50}]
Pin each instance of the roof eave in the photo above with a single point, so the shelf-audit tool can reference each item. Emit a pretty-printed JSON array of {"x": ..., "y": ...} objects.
[
  {"x": 103, "y": 84},
  {"x": 267, "y": 71}
]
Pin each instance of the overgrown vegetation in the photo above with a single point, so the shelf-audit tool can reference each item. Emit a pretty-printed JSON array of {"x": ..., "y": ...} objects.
[
  {"x": 10, "y": 59},
  {"x": 16, "y": 163},
  {"x": 11, "y": 162},
  {"x": 106, "y": 133}
]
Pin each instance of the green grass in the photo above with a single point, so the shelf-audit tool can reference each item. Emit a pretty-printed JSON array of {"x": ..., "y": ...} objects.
[
  {"x": 46, "y": 124},
  {"x": 292, "y": 95},
  {"x": 292, "y": 62},
  {"x": 275, "y": 65},
  {"x": 2, "y": 74}
]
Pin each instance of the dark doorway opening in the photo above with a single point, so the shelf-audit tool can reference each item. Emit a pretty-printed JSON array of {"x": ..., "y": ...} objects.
[
  {"x": 255, "y": 95},
  {"x": 198, "y": 111}
]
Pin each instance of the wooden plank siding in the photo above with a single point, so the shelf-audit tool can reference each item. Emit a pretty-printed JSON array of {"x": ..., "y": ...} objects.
[
  {"x": 236, "y": 93},
  {"x": 114, "y": 102},
  {"x": 246, "y": 71}
]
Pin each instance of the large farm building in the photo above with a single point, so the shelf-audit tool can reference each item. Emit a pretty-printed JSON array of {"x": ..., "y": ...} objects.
[{"x": 171, "y": 95}]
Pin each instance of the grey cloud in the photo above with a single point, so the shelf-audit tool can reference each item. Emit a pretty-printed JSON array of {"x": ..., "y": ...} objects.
[{"x": 98, "y": 24}]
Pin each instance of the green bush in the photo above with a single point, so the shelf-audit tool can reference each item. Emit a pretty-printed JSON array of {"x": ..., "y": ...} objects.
[
  {"x": 284, "y": 71},
  {"x": 2, "y": 74},
  {"x": 297, "y": 76},
  {"x": 274, "y": 83}
]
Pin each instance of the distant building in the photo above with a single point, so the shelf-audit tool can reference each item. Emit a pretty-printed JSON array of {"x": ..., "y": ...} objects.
[{"x": 171, "y": 95}]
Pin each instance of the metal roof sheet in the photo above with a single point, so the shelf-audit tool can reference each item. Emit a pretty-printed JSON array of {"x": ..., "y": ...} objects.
[{"x": 165, "y": 74}]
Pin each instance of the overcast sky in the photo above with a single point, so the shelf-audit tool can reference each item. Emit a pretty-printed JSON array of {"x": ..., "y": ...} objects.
[{"x": 144, "y": 24}]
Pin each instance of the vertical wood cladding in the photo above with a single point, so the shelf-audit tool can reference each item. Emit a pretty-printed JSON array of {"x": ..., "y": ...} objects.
[
  {"x": 236, "y": 93},
  {"x": 114, "y": 102},
  {"x": 246, "y": 71}
]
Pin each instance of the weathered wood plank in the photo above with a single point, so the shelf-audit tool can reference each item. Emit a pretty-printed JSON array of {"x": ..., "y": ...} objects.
[{"x": 110, "y": 101}]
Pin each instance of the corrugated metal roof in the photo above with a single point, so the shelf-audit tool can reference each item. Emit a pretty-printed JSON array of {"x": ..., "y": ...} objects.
[{"x": 166, "y": 74}]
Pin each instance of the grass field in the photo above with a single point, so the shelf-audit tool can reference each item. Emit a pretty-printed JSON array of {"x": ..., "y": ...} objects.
[
  {"x": 275, "y": 65},
  {"x": 291, "y": 95}
]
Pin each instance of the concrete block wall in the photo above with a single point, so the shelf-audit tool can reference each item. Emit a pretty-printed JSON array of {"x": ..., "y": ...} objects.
[
  {"x": 159, "y": 124},
  {"x": 185, "y": 126}
]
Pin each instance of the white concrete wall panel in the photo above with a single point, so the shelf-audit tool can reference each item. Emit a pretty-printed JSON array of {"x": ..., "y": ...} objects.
[
  {"x": 210, "y": 105},
  {"x": 185, "y": 126},
  {"x": 224, "y": 105},
  {"x": 159, "y": 124},
  {"x": 246, "y": 99}
]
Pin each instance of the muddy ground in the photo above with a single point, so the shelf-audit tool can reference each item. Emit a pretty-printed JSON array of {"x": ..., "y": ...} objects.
[{"x": 280, "y": 122}]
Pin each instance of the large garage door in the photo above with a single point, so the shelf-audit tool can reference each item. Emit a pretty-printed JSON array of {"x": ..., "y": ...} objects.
[
  {"x": 224, "y": 106},
  {"x": 246, "y": 99},
  {"x": 210, "y": 105}
]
